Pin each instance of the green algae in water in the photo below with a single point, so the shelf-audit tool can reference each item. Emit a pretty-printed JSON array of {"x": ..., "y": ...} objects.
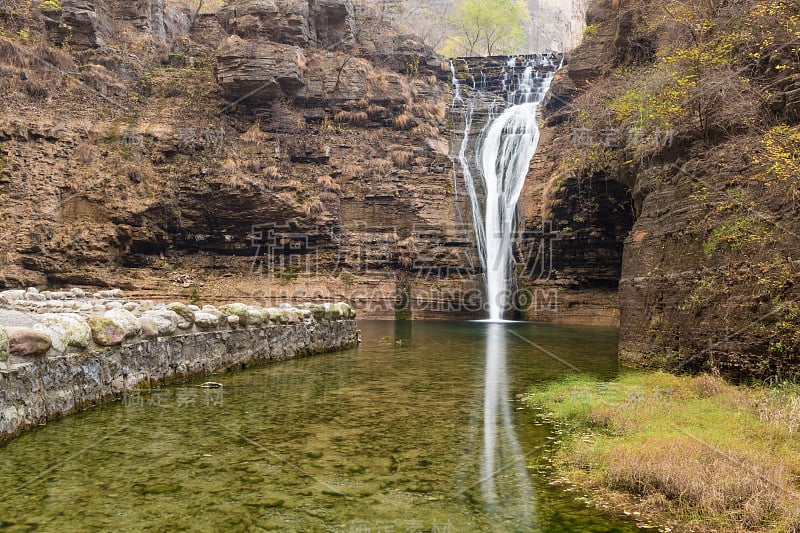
[{"x": 386, "y": 437}]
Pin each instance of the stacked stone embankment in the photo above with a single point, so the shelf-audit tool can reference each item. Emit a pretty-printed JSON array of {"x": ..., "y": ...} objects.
[{"x": 68, "y": 350}]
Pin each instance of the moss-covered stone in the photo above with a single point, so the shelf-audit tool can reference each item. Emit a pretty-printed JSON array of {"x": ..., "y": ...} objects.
[
  {"x": 257, "y": 315},
  {"x": 105, "y": 331},
  {"x": 205, "y": 320},
  {"x": 236, "y": 309},
  {"x": 3, "y": 344},
  {"x": 77, "y": 332},
  {"x": 149, "y": 328},
  {"x": 317, "y": 311},
  {"x": 183, "y": 311}
]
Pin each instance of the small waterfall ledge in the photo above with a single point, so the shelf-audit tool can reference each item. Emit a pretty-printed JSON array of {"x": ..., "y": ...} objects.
[{"x": 63, "y": 352}]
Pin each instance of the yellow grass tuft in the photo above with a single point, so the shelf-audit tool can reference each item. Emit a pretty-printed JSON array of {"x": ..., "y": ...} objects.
[{"x": 714, "y": 456}]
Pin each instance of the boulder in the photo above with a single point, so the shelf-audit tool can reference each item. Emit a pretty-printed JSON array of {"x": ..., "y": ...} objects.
[
  {"x": 149, "y": 328},
  {"x": 126, "y": 321},
  {"x": 77, "y": 332},
  {"x": 78, "y": 293},
  {"x": 236, "y": 309},
  {"x": 259, "y": 71},
  {"x": 8, "y": 297},
  {"x": 57, "y": 335},
  {"x": 205, "y": 320},
  {"x": 27, "y": 342},
  {"x": 166, "y": 321},
  {"x": 317, "y": 311},
  {"x": 105, "y": 331},
  {"x": 283, "y": 21},
  {"x": 183, "y": 311},
  {"x": 257, "y": 315}
]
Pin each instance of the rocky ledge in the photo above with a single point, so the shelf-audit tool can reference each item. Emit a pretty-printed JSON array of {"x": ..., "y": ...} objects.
[{"x": 68, "y": 350}]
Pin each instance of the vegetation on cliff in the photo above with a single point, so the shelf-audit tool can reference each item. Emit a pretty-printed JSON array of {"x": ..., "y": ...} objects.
[
  {"x": 696, "y": 108},
  {"x": 161, "y": 183}
]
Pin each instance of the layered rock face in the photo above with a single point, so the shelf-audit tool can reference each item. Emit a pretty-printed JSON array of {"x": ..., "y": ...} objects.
[
  {"x": 651, "y": 143},
  {"x": 262, "y": 152}
]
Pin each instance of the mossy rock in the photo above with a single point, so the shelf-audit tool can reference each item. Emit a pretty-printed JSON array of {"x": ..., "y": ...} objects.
[
  {"x": 317, "y": 311},
  {"x": 257, "y": 315},
  {"x": 236, "y": 309},
  {"x": 105, "y": 331},
  {"x": 149, "y": 328},
  {"x": 333, "y": 311},
  {"x": 183, "y": 311},
  {"x": 77, "y": 332},
  {"x": 205, "y": 320},
  {"x": 3, "y": 344}
]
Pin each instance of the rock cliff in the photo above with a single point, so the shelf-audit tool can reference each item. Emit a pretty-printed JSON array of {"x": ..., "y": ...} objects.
[
  {"x": 271, "y": 150},
  {"x": 674, "y": 130}
]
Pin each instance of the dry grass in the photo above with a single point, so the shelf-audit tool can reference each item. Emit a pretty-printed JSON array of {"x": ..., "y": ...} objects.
[
  {"x": 314, "y": 208},
  {"x": 402, "y": 158},
  {"x": 254, "y": 135},
  {"x": 329, "y": 198},
  {"x": 354, "y": 171},
  {"x": 292, "y": 185},
  {"x": 272, "y": 172},
  {"x": 403, "y": 121},
  {"x": 229, "y": 166},
  {"x": 425, "y": 130},
  {"x": 717, "y": 457},
  {"x": 429, "y": 111},
  {"x": 327, "y": 184},
  {"x": 379, "y": 167},
  {"x": 358, "y": 118},
  {"x": 375, "y": 111}
]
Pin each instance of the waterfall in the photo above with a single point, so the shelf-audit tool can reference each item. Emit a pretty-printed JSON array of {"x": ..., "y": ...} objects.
[{"x": 500, "y": 155}]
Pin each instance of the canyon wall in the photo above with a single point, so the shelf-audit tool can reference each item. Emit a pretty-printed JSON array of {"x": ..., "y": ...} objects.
[
  {"x": 263, "y": 151},
  {"x": 669, "y": 163}
]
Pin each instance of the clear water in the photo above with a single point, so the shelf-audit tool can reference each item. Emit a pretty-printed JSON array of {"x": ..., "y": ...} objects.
[{"x": 387, "y": 437}]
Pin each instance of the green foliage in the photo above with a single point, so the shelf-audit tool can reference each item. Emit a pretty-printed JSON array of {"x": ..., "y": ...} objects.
[
  {"x": 731, "y": 235},
  {"x": 488, "y": 27},
  {"x": 50, "y": 4}
]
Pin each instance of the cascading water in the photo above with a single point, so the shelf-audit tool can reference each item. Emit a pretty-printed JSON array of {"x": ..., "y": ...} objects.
[
  {"x": 500, "y": 155},
  {"x": 498, "y": 152}
]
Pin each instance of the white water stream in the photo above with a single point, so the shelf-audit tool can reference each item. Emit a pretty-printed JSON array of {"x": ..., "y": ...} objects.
[
  {"x": 502, "y": 154},
  {"x": 500, "y": 157}
]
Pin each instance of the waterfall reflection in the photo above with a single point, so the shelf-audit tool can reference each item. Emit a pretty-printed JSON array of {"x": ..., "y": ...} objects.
[{"x": 505, "y": 482}]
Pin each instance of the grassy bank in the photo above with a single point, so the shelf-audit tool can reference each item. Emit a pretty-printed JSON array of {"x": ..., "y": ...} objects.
[{"x": 692, "y": 452}]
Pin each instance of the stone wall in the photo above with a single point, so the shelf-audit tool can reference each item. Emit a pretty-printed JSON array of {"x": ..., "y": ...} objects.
[{"x": 83, "y": 350}]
